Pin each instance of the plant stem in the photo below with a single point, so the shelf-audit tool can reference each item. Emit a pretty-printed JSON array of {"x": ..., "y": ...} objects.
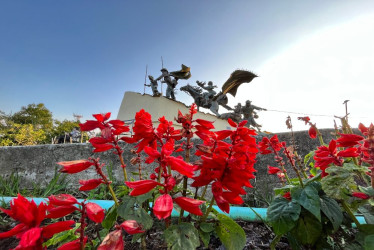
[
  {"x": 204, "y": 192},
  {"x": 113, "y": 194},
  {"x": 123, "y": 165},
  {"x": 208, "y": 210},
  {"x": 350, "y": 213},
  {"x": 83, "y": 224}
]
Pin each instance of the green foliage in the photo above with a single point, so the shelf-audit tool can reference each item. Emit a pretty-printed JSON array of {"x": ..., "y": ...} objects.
[
  {"x": 339, "y": 182},
  {"x": 308, "y": 229},
  {"x": 332, "y": 211},
  {"x": 308, "y": 198},
  {"x": 283, "y": 215},
  {"x": 182, "y": 236},
  {"x": 35, "y": 114},
  {"x": 230, "y": 233},
  {"x": 110, "y": 218},
  {"x": 63, "y": 237}
]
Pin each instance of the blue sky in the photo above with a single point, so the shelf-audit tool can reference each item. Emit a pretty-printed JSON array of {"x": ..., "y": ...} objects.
[{"x": 81, "y": 56}]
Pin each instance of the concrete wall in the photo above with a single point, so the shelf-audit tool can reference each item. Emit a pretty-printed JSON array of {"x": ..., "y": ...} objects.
[{"x": 37, "y": 163}]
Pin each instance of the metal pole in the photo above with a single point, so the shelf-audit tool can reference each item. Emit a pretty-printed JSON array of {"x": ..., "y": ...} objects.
[
  {"x": 162, "y": 66},
  {"x": 145, "y": 77}
]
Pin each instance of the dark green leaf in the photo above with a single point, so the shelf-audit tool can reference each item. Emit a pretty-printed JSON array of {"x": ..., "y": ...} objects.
[
  {"x": 368, "y": 215},
  {"x": 205, "y": 238},
  {"x": 206, "y": 227},
  {"x": 332, "y": 210},
  {"x": 142, "y": 217},
  {"x": 308, "y": 229},
  {"x": 309, "y": 199},
  {"x": 126, "y": 207},
  {"x": 230, "y": 233},
  {"x": 338, "y": 183},
  {"x": 367, "y": 190},
  {"x": 110, "y": 218},
  {"x": 369, "y": 242},
  {"x": 142, "y": 198},
  {"x": 282, "y": 215},
  {"x": 182, "y": 236}
]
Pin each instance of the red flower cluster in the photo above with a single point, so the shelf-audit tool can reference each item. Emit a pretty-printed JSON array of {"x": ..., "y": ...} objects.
[
  {"x": 228, "y": 166},
  {"x": 324, "y": 156},
  {"x": 109, "y": 132},
  {"x": 159, "y": 145},
  {"x": 29, "y": 230}
]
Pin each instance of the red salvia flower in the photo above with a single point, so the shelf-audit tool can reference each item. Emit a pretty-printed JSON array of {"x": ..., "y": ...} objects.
[
  {"x": 348, "y": 140},
  {"x": 62, "y": 200},
  {"x": 273, "y": 170},
  {"x": 60, "y": 211},
  {"x": 131, "y": 227},
  {"x": 312, "y": 132},
  {"x": 73, "y": 245},
  {"x": 360, "y": 195},
  {"x": 29, "y": 230},
  {"x": 141, "y": 187},
  {"x": 190, "y": 205},
  {"x": 113, "y": 241},
  {"x": 287, "y": 196},
  {"x": 90, "y": 184},
  {"x": 163, "y": 206},
  {"x": 72, "y": 167},
  {"x": 95, "y": 212}
]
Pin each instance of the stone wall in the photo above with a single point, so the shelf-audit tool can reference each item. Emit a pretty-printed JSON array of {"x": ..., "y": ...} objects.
[{"x": 38, "y": 163}]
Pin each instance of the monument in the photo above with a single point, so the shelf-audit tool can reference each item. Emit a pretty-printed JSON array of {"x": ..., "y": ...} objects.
[{"x": 204, "y": 95}]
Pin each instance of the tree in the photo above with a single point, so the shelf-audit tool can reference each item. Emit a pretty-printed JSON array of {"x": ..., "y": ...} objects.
[{"x": 35, "y": 114}]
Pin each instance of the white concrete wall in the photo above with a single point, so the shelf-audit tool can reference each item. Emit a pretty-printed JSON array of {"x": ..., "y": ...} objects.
[{"x": 132, "y": 102}]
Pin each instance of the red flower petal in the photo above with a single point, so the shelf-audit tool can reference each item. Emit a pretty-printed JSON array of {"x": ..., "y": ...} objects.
[
  {"x": 95, "y": 212},
  {"x": 163, "y": 206},
  {"x": 141, "y": 187},
  {"x": 360, "y": 195},
  {"x": 113, "y": 241},
  {"x": 232, "y": 123},
  {"x": 205, "y": 123},
  {"x": 312, "y": 132},
  {"x": 190, "y": 205},
  {"x": 60, "y": 211},
  {"x": 132, "y": 227},
  {"x": 273, "y": 170},
  {"x": 14, "y": 231},
  {"x": 223, "y": 134},
  {"x": 57, "y": 227},
  {"x": 90, "y": 184},
  {"x": 62, "y": 200},
  {"x": 72, "y": 167},
  {"x": 30, "y": 238},
  {"x": 73, "y": 245},
  {"x": 90, "y": 125}
]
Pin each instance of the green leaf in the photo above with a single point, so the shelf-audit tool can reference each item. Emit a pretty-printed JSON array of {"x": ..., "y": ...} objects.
[
  {"x": 338, "y": 183},
  {"x": 182, "y": 236},
  {"x": 283, "y": 190},
  {"x": 369, "y": 242},
  {"x": 126, "y": 206},
  {"x": 282, "y": 215},
  {"x": 63, "y": 237},
  {"x": 110, "y": 218},
  {"x": 309, "y": 199},
  {"x": 206, "y": 227},
  {"x": 368, "y": 215},
  {"x": 367, "y": 190},
  {"x": 230, "y": 233},
  {"x": 142, "y": 217},
  {"x": 142, "y": 198},
  {"x": 308, "y": 229},
  {"x": 205, "y": 238},
  {"x": 332, "y": 210}
]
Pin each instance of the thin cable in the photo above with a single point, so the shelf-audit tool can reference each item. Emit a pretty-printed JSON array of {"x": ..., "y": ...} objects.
[{"x": 298, "y": 113}]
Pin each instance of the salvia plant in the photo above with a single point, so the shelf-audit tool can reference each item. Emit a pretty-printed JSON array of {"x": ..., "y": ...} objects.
[
  {"x": 332, "y": 184},
  {"x": 322, "y": 195},
  {"x": 226, "y": 166}
]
